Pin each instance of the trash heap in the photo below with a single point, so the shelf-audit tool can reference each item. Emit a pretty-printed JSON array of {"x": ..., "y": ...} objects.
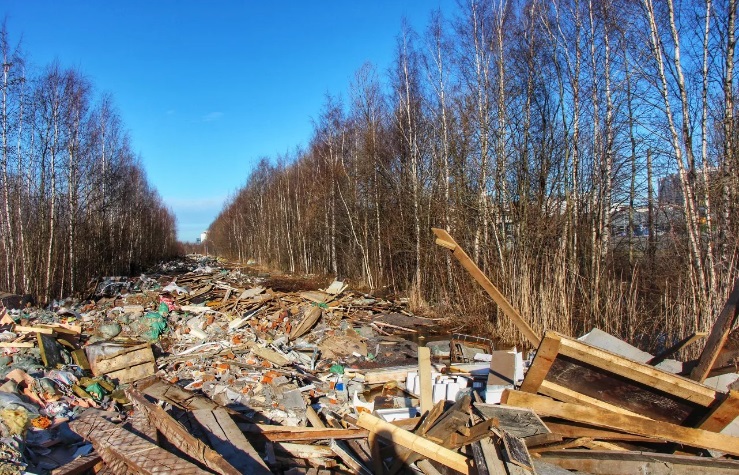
[{"x": 205, "y": 367}]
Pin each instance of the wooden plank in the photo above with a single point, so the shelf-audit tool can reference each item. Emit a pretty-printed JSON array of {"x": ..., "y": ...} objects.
[
  {"x": 685, "y": 342},
  {"x": 179, "y": 435},
  {"x": 228, "y": 440},
  {"x": 545, "y": 356},
  {"x": 719, "y": 334},
  {"x": 726, "y": 410},
  {"x": 445, "y": 240},
  {"x": 11, "y": 344},
  {"x": 118, "y": 446},
  {"x": 618, "y": 463},
  {"x": 26, "y": 329},
  {"x": 406, "y": 439},
  {"x": 349, "y": 460},
  {"x": 274, "y": 434},
  {"x": 564, "y": 394},
  {"x": 650, "y": 376},
  {"x": 424, "y": 378},
  {"x": 542, "y": 439},
  {"x": 78, "y": 466},
  {"x": 304, "y": 451},
  {"x": 633, "y": 425},
  {"x": 493, "y": 461},
  {"x": 575, "y": 431}
]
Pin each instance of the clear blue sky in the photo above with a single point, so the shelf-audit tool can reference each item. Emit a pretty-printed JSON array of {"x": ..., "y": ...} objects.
[{"x": 205, "y": 89}]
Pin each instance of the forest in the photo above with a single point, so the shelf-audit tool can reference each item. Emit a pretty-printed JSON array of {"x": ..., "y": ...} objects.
[
  {"x": 75, "y": 203},
  {"x": 582, "y": 152}
]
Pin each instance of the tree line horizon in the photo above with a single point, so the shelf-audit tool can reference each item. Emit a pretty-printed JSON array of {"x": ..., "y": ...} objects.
[
  {"x": 583, "y": 153},
  {"x": 75, "y": 203}
]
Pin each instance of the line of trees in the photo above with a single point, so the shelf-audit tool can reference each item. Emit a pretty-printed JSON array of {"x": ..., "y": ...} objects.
[
  {"x": 583, "y": 152},
  {"x": 74, "y": 200}
]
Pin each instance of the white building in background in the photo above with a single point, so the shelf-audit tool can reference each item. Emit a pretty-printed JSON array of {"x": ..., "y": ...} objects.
[{"x": 203, "y": 236}]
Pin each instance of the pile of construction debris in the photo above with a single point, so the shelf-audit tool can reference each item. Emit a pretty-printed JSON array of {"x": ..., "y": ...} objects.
[{"x": 208, "y": 368}]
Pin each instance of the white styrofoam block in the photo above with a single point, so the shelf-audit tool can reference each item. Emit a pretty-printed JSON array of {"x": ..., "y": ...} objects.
[
  {"x": 451, "y": 391},
  {"x": 439, "y": 392},
  {"x": 493, "y": 393}
]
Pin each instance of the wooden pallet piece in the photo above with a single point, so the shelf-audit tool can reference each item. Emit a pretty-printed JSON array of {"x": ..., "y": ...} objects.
[
  {"x": 128, "y": 365},
  {"x": 117, "y": 445},
  {"x": 545, "y": 406},
  {"x": 575, "y": 371}
]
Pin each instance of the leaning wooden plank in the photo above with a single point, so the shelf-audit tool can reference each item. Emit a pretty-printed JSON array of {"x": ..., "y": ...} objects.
[
  {"x": 719, "y": 334},
  {"x": 228, "y": 440},
  {"x": 726, "y": 410},
  {"x": 424, "y": 378},
  {"x": 116, "y": 445},
  {"x": 445, "y": 240},
  {"x": 685, "y": 342},
  {"x": 622, "y": 422},
  {"x": 608, "y": 462},
  {"x": 418, "y": 444},
  {"x": 180, "y": 436}
]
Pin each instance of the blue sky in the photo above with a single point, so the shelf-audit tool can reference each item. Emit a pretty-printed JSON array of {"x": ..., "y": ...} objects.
[{"x": 206, "y": 89}]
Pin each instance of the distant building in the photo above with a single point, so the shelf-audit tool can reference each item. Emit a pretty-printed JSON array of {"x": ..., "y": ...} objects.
[{"x": 203, "y": 236}]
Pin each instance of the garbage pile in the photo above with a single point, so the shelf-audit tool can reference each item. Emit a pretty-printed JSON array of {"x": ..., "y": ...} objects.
[{"x": 206, "y": 367}]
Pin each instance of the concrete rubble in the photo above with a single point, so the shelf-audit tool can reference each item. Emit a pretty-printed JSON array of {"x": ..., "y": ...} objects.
[{"x": 202, "y": 366}]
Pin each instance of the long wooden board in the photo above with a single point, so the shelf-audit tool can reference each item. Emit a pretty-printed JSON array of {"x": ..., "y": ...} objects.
[
  {"x": 608, "y": 462},
  {"x": 226, "y": 439},
  {"x": 417, "y": 444},
  {"x": 545, "y": 406},
  {"x": 443, "y": 239}
]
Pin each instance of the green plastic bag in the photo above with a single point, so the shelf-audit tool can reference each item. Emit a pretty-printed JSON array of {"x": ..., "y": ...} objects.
[
  {"x": 156, "y": 325},
  {"x": 96, "y": 391}
]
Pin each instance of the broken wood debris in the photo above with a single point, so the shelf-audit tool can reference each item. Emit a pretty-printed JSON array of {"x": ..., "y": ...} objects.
[{"x": 242, "y": 377}]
